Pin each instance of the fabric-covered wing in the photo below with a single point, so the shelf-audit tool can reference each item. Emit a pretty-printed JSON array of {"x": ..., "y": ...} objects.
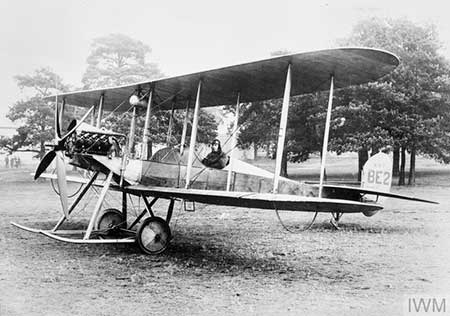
[
  {"x": 77, "y": 179},
  {"x": 256, "y": 81},
  {"x": 345, "y": 190},
  {"x": 256, "y": 200}
]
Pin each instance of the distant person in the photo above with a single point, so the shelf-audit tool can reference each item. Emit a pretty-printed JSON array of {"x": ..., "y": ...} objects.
[
  {"x": 17, "y": 162},
  {"x": 216, "y": 158},
  {"x": 7, "y": 161},
  {"x": 12, "y": 161}
]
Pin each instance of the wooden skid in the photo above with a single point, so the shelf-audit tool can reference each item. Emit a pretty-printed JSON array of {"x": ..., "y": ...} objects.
[
  {"x": 55, "y": 235},
  {"x": 128, "y": 240}
]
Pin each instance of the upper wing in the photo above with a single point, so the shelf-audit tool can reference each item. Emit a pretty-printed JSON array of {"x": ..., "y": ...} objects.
[
  {"x": 256, "y": 200},
  {"x": 256, "y": 81},
  {"x": 337, "y": 190}
]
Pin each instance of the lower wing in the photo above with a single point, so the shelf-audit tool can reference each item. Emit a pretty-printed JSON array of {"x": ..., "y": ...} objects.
[
  {"x": 80, "y": 179},
  {"x": 256, "y": 200},
  {"x": 343, "y": 191}
]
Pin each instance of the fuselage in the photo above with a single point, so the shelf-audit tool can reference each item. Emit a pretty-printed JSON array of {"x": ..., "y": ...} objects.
[{"x": 167, "y": 168}]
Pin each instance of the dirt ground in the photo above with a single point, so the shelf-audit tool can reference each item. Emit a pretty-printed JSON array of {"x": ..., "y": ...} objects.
[{"x": 226, "y": 260}]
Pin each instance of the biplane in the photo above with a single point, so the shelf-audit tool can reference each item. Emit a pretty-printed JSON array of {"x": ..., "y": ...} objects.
[{"x": 175, "y": 173}]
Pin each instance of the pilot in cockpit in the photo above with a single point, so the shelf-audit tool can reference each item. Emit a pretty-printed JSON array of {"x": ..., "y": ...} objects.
[{"x": 216, "y": 158}]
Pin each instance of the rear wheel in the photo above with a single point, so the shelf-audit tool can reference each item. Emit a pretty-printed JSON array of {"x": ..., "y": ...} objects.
[
  {"x": 109, "y": 221},
  {"x": 153, "y": 236}
]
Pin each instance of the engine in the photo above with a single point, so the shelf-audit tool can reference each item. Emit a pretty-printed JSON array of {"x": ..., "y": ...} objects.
[{"x": 83, "y": 142}]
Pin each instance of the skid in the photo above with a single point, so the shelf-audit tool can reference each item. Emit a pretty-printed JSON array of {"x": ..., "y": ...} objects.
[{"x": 55, "y": 235}]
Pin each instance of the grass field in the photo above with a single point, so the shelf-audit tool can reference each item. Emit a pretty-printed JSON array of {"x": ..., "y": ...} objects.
[{"x": 229, "y": 260}]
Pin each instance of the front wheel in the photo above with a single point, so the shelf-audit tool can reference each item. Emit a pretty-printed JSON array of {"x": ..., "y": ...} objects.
[{"x": 153, "y": 236}]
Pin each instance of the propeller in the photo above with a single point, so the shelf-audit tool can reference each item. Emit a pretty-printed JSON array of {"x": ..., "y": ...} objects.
[
  {"x": 57, "y": 152},
  {"x": 58, "y": 118},
  {"x": 62, "y": 183},
  {"x": 45, "y": 162}
]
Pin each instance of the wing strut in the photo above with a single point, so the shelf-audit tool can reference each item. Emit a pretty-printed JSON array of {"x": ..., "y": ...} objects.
[
  {"x": 93, "y": 118},
  {"x": 193, "y": 135},
  {"x": 169, "y": 132},
  {"x": 185, "y": 123},
  {"x": 146, "y": 151},
  {"x": 233, "y": 141},
  {"x": 326, "y": 136},
  {"x": 60, "y": 116},
  {"x": 100, "y": 110},
  {"x": 132, "y": 132},
  {"x": 77, "y": 200},
  {"x": 282, "y": 131},
  {"x": 98, "y": 206},
  {"x": 57, "y": 117}
]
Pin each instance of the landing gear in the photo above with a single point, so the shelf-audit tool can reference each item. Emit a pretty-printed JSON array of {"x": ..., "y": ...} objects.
[
  {"x": 153, "y": 235},
  {"x": 110, "y": 225},
  {"x": 335, "y": 217},
  {"x": 110, "y": 221}
]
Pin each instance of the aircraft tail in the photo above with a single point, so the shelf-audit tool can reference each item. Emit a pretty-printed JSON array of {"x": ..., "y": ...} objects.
[{"x": 377, "y": 175}]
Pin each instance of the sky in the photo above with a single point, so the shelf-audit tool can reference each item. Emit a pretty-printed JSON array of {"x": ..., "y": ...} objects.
[{"x": 185, "y": 36}]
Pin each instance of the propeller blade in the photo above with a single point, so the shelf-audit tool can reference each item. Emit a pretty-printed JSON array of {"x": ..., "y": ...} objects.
[
  {"x": 62, "y": 182},
  {"x": 57, "y": 122},
  {"x": 45, "y": 162},
  {"x": 77, "y": 123},
  {"x": 60, "y": 117}
]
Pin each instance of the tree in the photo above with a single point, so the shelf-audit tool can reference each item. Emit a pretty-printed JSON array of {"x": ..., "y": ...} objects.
[
  {"x": 17, "y": 141},
  {"x": 35, "y": 114},
  {"x": 260, "y": 122},
  {"x": 406, "y": 105},
  {"x": 363, "y": 120},
  {"x": 117, "y": 59},
  {"x": 207, "y": 127}
]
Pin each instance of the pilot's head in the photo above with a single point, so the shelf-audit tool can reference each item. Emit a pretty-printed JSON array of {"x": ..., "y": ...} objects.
[{"x": 215, "y": 145}]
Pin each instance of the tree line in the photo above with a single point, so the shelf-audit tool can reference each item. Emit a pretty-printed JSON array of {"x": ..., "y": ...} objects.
[
  {"x": 115, "y": 59},
  {"x": 407, "y": 111}
]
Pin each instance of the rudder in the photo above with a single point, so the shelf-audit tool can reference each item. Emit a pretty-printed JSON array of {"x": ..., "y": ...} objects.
[{"x": 377, "y": 175}]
